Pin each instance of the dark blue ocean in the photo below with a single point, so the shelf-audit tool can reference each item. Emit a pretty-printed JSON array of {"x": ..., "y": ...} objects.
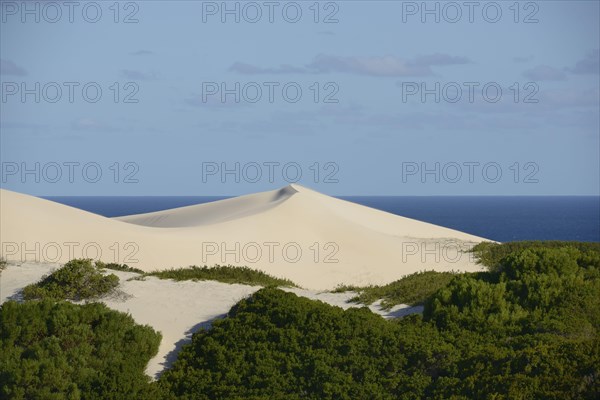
[{"x": 501, "y": 218}]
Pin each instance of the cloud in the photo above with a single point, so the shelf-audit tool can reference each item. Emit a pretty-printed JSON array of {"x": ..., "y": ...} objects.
[
  {"x": 249, "y": 69},
  {"x": 8, "y": 67},
  {"x": 571, "y": 98},
  {"x": 138, "y": 75},
  {"x": 215, "y": 102},
  {"x": 440, "y": 59},
  {"x": 589, "y": 65},
  {"x": 545, "y": 73},
  {"x": 522, "y": 59},
  {"x": 141, "y": 53},
  {"x": 89, "y": 124},
  {"x": 24, "y": 128},
  {"x": 371, "y": 66}
]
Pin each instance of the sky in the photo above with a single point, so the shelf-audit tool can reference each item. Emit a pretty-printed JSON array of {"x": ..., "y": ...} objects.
[{"x": 345, "y": 97}]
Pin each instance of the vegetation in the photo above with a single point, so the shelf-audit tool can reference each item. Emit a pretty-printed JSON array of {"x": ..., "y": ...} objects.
[
  {"x": 77, "y": 280},
  {"x": 226, "y": 274},
  {"x": 527, "y": 328},
  {"x": 278, "y": 345},
  {"x": 118, "y": 267},
  {"x": 52, "y": 350},
  {"x": 491, "y": 254},
  {"x": 412, "y": 289}
]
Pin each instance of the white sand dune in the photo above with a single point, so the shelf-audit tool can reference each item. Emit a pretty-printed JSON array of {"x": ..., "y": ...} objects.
[{"x": 315, "y": 240}]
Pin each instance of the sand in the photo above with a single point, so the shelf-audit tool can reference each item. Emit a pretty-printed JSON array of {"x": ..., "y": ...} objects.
[{"x": 296, "y": 233}]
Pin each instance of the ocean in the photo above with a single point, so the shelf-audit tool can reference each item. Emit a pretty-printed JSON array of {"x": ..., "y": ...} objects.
[{"x": 500, "y": 218}]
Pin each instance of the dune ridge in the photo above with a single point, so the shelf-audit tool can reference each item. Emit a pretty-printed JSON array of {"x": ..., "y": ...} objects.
[{"x": 315, "y": 240}]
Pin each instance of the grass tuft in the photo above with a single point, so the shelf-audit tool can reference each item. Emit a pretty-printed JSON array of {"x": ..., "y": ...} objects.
[
  {"x": 225, "y": 274},
  {"x": 412, "y": 289}
]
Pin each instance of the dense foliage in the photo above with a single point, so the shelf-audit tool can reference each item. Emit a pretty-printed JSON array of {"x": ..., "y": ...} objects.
[
  {"x": 491, "y": 254},
  {"x": 226, "y": 274},
  {"x": 52, "y": 350},
  {"x": 527, "y": 329},
  {"x": 278, "y": 345},
  {"x": 412, "y": 289},
  {"x": 78, "y": 279}
]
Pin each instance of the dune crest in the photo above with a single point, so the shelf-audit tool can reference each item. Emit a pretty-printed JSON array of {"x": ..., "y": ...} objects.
[
  {"x": 214, "y": 212},
  {"x": 294, "y": 232}
]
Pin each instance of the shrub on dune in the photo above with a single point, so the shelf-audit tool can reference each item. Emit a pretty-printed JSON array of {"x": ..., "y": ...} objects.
[
  {"x": 77, "y": 280},
  {"x": 59, "y": 350}
]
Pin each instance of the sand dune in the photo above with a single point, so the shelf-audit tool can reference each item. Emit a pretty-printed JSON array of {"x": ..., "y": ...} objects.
[
  {"x": 215, "y": 212},
  {"x": 315, "y": 240}
]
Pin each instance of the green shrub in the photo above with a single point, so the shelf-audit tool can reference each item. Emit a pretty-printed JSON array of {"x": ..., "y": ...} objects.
[
  {"x": 490, "y": 254},
  {"x": 118, "y": 267},
  {"x": 278, "y": 345},
  {"x": 226, "y": 274},
  {"x": 76, "y": 280},
  {"x": 51, "y": 350},
  {"x": 532, "y": 289},
  {"x": 474, "y": 304},
  {"x": 412, "y": 289},
  {"x": 528, "y": 328}
]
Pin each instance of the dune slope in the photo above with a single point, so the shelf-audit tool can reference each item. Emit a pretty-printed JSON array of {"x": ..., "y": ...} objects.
[{"x": 315, "y": 240}]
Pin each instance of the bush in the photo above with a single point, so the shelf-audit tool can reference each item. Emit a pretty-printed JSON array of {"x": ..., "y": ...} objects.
[
  {"x": 52, "y": 350},
  {"x": 118, "y": 267},
  {"x": 490, "y": 254},
  {"x": 535, "y": 289},
  {"x": 76, "y": 280},
  {"x": 470, "y": 303},
  {"x": 226, "y": 274},
  {"x": 527, "y": 329},
  {"x": 411, "y": 289},
  {"x": 278, "y": 345}
]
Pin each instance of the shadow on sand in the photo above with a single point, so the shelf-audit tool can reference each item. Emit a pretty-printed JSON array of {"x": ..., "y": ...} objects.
[{"x": 403, "y": 312}]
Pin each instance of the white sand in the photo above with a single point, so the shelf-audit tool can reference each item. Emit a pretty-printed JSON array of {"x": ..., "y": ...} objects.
[
  {"x": 315, "y": 240},
  {"x": 176, "y": 309}
]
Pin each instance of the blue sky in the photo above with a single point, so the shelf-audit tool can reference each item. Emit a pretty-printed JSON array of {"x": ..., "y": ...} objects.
[{"x": 361, "y": 126}]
